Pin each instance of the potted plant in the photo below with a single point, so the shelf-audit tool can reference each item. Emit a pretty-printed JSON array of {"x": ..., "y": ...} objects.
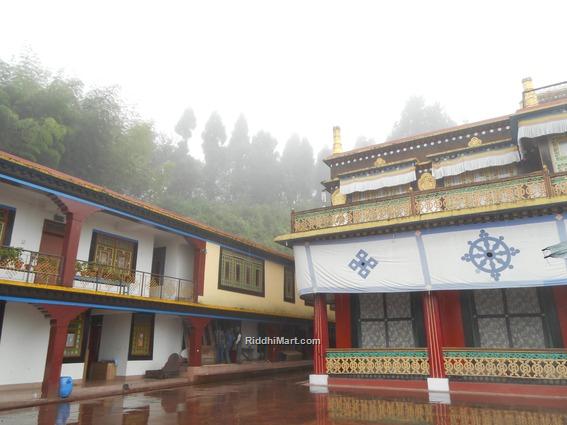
[{"x": 10, "y": 257}]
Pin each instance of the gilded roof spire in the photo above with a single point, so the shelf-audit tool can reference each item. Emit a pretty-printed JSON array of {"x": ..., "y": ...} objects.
[
  {"x": 337, "y": 144},
  {"x": 529, "y": 95}
]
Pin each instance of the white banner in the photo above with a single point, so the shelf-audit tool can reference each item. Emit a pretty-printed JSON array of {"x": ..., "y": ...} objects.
[{"x": 503, "y": 255}]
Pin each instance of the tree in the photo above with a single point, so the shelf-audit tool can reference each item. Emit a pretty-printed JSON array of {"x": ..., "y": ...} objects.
[
  {"x": 263, "y": 169},
  {"x": 186, "y": 124},
  {"x": 297, "y": 170},
  {"x": 238, "y": 152},
  {"x": 417, "y": 117},
  {"x": 214, "y": 172}
]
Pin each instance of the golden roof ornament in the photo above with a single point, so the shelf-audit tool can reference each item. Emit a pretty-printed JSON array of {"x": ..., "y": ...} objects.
[
  {"x": 337, "y": 198},
  {"x": 379, "y": 162},
  {"x": 426, "y": 182},
  {"x": 337, "y": 144},
  {"x": 529, "y": 96},
  {"x": 475, "y": 141}
]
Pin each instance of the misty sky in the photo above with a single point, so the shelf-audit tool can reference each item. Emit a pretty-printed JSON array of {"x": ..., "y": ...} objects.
[{"x": 297, "y": 66}]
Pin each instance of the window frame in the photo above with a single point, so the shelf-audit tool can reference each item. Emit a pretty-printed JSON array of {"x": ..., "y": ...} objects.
[
  {"x": 287, "y": 270},
  {"x": 10, "y": 214},
  {"x": 94, "y": 242},
  {"x": 150, "y": 355},
  {"x": 84, "y": 335},
  {"x": 254, "y": 272}
]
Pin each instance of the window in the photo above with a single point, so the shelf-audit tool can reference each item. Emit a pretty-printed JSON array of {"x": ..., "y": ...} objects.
[
  {"x": 113, "y": 251},
  {"x": 241, "y": 273},
  {"x": 141, "y": 337},
  {"x": 6, "y": 223},
  {"x": 289, "y": 284},
  {"x": 75, "y": 343},
  {"x": 387, "y": 320},
  {"x": 486, "y": 174},
  {"x": 558, "y": 148},
  {"x": 380, "y": 193},
  {"x": 508, "y": 318}
]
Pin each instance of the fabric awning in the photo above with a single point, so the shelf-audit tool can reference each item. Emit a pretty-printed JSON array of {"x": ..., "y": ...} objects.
[
  {"x": 378, "y": 179},
  {"x": 475, "y": 161},
  {"x": 542, "y": 126}
]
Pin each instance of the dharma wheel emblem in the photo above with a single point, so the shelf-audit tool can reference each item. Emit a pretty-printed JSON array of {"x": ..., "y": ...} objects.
[
  {"x": 363, "y": 263},
  {"x": 490, "y": 254}
]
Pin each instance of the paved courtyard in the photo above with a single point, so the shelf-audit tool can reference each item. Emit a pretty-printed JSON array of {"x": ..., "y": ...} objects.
[{"x": 285, "y": 399}]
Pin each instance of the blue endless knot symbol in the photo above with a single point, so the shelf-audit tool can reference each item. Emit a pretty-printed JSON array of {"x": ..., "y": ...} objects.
[
  {"x": 362, "y": 262},
  {"x": 490, "y": 254}
]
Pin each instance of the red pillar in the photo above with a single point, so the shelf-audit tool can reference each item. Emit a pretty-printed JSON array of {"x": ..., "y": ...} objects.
[
  {"x": 343, "y": 321},
  {"x": 75, "y": 213},
  {"x": 452, "y": 323},
  {"x": 320, "y": 332},
  {"x": 60, "y": 317},
  {"x": 434, "y": 335},
  {"x": 196, "y": 330},
  {"x": 200, "y": 248},
  {"x": 560, "y": 298}
]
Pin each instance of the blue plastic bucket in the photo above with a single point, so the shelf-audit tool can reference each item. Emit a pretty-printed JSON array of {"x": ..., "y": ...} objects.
[{"x": 65, "y": 386}]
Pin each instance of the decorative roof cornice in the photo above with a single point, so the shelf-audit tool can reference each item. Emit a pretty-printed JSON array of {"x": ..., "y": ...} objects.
[{"x": 14, "y": 166}]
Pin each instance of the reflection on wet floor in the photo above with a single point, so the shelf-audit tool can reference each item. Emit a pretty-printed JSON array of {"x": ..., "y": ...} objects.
[{"x": 283, "y": 399}]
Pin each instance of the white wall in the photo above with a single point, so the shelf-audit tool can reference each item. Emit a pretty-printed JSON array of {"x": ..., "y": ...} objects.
[
  {"x": 168, "y": 332},
  {"x": 31, "y": 211},
  {"x": 114, "y": 340},
  {"x": 23, "y": 344},
  {"x": 74, "y": 370}
]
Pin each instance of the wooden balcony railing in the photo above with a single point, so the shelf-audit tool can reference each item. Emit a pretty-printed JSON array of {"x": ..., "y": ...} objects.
[
  {"x": 485, "y": 194},
  {"x": 506, "y": 364},
  {"x": 19, "y": 264},
  {"x": 102, "y": 278}
]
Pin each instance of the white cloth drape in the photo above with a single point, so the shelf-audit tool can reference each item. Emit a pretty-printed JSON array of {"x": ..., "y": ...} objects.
[
  {"x": 542, "y": 129},
  {"x": 473, "y": 162},
  {"x": 377, "y": 181}
]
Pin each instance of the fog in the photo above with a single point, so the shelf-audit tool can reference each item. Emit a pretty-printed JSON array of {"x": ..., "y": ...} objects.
[{"x": 295, "y": 66}]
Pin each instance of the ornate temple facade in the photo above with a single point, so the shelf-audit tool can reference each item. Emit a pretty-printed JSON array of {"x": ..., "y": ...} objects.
[
  {"x": 444, "y": 255},
  {"x": 94, "y": 283}
]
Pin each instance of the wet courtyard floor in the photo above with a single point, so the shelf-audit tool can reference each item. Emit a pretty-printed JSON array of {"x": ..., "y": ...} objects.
[{"x": 285, "y": 399}]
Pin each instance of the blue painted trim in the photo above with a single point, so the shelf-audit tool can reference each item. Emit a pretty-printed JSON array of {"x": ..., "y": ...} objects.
[
  {"x": 125, "y": 214},
  {"x": 423, "y": 261},
  {"x": 7, "y": 207},
  {"x": 139, "y": 310}
]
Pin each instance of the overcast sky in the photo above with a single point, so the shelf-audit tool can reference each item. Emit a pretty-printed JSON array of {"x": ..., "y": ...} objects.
[{"x": 297, "y": 66}]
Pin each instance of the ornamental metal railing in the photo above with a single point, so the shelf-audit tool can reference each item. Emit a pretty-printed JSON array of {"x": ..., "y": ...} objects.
[
  {"x": 545, "y": 94},
  {"x": 377, "y": 362},
  {"x": 22, "y": 265},
  {"x": 506, "y": 364},
  {"x": 469, "y": 196},
  {"x": 103, "y": 278}
]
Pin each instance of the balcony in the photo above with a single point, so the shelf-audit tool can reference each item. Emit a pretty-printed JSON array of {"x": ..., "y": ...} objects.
[
  {"x": 101, "y": 278},
  {"x": 20, "y": 265},
  {"x": 545, "y": 94},
  {"x": 485, "y": 195}
]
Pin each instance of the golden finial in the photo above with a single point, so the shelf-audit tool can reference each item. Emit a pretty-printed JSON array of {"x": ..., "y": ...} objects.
[
  {"x": 379, "y": 161},
  {"x": 337, "y": 145},
  {"x": 529, "y": 95}
]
